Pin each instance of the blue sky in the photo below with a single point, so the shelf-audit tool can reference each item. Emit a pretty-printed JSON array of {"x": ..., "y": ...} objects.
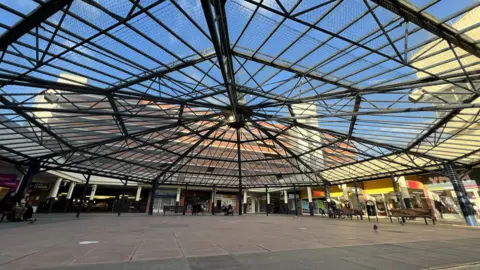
[{"x": 238, "y": 13}]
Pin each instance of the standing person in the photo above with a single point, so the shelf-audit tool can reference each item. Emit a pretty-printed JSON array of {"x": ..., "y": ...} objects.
[{"x": 194, "y": 204}]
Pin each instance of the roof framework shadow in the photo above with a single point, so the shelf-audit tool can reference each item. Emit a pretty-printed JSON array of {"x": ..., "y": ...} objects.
[{"x": 231, "y": 93}]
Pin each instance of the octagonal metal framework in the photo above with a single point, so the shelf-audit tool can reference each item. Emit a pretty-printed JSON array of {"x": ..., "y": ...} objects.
[{"x": 265, "y": 92}]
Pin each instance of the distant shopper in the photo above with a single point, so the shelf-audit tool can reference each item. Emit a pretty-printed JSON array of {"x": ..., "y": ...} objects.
[
  {"x": 194, "y": 204},
  {"x": 230, "y": 210},
  {"x": 28, "y": 216}
]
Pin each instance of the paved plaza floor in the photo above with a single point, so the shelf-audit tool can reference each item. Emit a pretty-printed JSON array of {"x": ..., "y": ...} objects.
[{"x": 137, "y": 241}]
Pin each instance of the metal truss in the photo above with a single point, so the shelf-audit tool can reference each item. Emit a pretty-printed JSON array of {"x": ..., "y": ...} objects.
[{"x": 240, "y": 93}]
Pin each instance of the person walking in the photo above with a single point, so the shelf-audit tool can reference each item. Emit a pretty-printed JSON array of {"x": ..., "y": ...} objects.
[{"x": 194, "y": 204}]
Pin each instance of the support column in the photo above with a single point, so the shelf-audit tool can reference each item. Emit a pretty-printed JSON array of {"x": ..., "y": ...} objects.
[
  {"x": 68, "y": 200},
  {"x": 122, "y": 205},
  {"x": 82, "y": 199},
  {"x": 152, "y": 197},
  {"x": 285, "y": 201},
  {"x": 92, "y": 197},
  {"x": 397, "y": 194},
  {"x": 267, "y": 200},
  {"x": 214, "y": 192},
  {"x": 33, "y": 168},
  {"x": 465, "y": 205},
  {"x": 310, "y": 200},
  {"x": 53, "y": 194},
  {"x": 254, "y": 204},
  {"x": 137, "y": 197},
  {"x": 329, "y": 201},
  {"x": 359, "y": 206},
  {"x": 402, "y": 183},
  {"x": 295, "y": 200},
  {"x": 239, "y": 156},
  {"x": 244, "y": 202},
  {"x": 177, "y": 199},
  {"x": 185, "y": 200}
]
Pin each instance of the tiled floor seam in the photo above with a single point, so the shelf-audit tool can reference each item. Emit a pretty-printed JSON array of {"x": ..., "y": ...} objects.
[
  {"x": 135, "y": 251},
  {"x": 1, "y": 265}
]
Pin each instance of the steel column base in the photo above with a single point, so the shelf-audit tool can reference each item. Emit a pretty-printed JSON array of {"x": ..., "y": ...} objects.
[{"x": 67, "y": 205}]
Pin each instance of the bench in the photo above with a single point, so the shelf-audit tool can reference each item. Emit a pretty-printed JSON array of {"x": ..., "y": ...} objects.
[
  {"x": 177, "y": 209},
  {"x": 348, "y": 212},
  {"x": 412, "y": 213}
]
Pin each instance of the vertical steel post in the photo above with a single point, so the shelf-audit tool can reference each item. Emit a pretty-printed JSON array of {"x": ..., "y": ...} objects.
[
  {"x": 329, "y": 201},
  {"x": 152, "y": 197},
  {"x": 465, "y": 205},
  {"x": 295, "y": 199},
  {"x": 239, "y": 197},
  {"x": 358, "y": 200},
  {"x": 33, "y": 168},
  {"x": 82, "y": 199},
  {"x": 185, "y": 200},
  {"x": 214, "y": 191},
  {"x": 122, "y": 205}
]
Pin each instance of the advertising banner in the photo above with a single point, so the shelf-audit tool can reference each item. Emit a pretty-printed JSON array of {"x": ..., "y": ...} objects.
[{"x": 9, "y": 181}]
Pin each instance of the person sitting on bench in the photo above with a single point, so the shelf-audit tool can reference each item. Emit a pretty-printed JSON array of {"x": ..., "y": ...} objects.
[
  {"x": 20, "y": 208},
  {"x": 229, "y": 210}
]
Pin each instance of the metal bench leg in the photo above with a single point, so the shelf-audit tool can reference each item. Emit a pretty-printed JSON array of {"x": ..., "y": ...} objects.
[{"x": 426, "y": 221}]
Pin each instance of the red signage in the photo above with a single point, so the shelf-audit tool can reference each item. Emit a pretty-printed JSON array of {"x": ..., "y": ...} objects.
[
  {"x": 9, "y": 181},
  {"x": 414, "y": 185},
  {"x": 317, "y": 194}
]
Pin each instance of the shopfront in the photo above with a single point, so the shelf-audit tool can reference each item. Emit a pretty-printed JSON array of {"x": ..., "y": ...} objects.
[
  {"x": 203, "y": 199},
  {"x": 165, "y": 197},
  {"x": 380, "y": 194},
  {"x": 224, "y": 199},
  {"x": 318, "y": 199},
  {"x": 444, "y": 197}
]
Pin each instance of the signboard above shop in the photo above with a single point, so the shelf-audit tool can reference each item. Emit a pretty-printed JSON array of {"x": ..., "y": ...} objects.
[
  {"x": 40, "y": 186},
  {"x": 165, "y": 194}
]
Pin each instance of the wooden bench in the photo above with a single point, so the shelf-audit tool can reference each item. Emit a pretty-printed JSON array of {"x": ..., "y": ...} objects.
[
  {"x": 348, "y": 212},
  {"x": 412, "y": 213}
]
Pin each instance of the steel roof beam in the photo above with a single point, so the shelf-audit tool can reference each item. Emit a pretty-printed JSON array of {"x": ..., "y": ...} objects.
[
  {"x": 221, "y": 45},
  {"x": 411, "y": 13},
  {"x": 382, "y": 145},
  {"x": 34, "y": 19}
]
